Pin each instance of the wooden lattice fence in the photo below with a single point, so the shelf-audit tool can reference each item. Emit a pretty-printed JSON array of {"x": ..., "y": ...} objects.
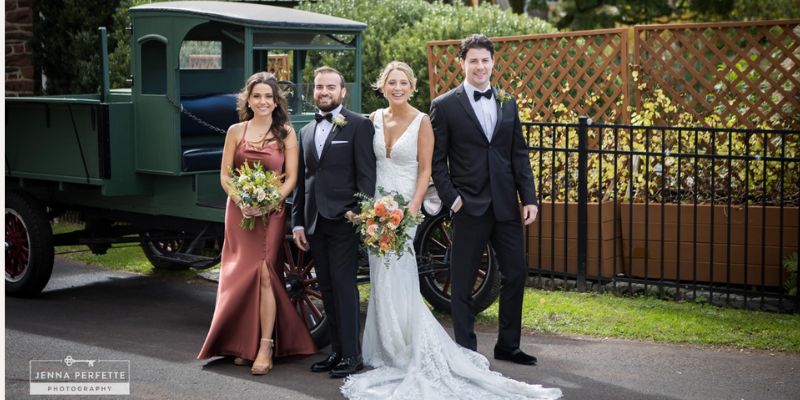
[
  {"x": 749, "y": 70},
  {"x": 549, "y": 69}
]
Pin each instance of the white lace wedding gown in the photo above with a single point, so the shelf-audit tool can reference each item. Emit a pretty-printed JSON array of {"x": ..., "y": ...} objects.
[{"x": 412, "y": 355}]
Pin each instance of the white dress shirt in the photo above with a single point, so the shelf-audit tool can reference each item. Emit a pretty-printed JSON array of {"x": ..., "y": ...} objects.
[
  {"x": 485, "y": 109},
  {"x": 323, "y": 129}
]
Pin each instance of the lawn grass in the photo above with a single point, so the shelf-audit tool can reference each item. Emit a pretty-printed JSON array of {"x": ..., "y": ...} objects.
[
  {"x": 571, "y": 313},
  {"x": 651, "y": 319}
]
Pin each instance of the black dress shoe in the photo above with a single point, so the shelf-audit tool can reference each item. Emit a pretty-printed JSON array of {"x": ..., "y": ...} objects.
[
  {"x": 327, "y": 364},
  {"x": 348, "y": 365},
  {"x": 516, "y": 356}
]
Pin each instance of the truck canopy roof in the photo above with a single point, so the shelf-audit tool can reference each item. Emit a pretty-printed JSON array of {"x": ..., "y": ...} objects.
[{"x": 256, "y": 15}]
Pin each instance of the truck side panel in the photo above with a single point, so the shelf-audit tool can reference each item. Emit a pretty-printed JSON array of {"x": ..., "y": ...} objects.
[{"x": 65, "y": 141}]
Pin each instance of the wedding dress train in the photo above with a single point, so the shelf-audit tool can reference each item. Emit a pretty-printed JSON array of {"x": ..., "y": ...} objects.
[{"x": 412, "y": 355}]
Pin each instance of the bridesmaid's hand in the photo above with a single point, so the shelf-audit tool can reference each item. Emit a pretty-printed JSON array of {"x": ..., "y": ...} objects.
[{"x": 251, "y": 211}]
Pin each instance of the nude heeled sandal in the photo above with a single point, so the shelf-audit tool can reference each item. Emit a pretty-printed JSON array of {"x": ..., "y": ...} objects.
[
  {"x": 241, "y": 361},
  {"x": 265, "y": 348}
]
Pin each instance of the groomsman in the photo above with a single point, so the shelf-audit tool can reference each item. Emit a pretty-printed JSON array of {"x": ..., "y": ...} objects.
[
  {"x": 481, "y": 169},
  {"x": 336, "y": 162}
]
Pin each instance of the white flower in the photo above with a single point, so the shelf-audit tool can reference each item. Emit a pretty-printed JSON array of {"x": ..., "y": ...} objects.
[
  {"x": 242, "y": 178},
  {"x": 339, "y": 120},
  {"x": 261, "y": 195},
  {"x": 390, "y": 204}
]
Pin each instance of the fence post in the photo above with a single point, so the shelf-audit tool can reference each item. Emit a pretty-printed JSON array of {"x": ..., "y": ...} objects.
[{"x": 583, "y": 156}]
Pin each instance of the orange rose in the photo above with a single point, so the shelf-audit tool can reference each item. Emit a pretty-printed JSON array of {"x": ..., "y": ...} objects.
[
  {"x": 380, "y": 210},
  {"x": 397, "y": 217}
]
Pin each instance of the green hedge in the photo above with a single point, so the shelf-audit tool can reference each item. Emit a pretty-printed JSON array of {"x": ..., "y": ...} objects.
[{"x": 400, "y": 30}]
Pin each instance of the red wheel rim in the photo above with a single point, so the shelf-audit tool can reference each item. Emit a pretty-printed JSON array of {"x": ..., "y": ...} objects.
[
  {"x": 302, "y": 286},
  {"x": 17, "y": 247}
]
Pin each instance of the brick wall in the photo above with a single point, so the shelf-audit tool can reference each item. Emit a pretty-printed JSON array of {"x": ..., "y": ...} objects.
[{"x": 20, "y": 74}]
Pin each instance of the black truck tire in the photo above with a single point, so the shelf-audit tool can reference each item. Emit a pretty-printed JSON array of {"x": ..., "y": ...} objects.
[{"x": 29, "y": 246}]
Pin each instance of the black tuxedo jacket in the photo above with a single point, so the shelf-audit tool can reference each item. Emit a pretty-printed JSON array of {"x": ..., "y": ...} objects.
[
  {"x": 482, "y": 172},
  {"x": 327, "y": 184}
]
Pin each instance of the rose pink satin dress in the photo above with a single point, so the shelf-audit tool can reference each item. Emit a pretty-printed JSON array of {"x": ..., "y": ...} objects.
[{"x": 235, "y": 328}]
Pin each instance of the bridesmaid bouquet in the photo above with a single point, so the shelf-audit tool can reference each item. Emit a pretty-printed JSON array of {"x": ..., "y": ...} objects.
[
  {"x": 257, "y": 187},
  {"x": 383, "y": 222}
]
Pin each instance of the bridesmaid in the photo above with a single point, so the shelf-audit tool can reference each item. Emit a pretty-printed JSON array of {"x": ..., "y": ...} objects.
[{"x": 254, "y": 318}]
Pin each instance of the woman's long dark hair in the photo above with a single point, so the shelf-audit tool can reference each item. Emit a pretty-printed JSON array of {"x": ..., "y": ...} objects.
[{"x": 280, "y": 115}]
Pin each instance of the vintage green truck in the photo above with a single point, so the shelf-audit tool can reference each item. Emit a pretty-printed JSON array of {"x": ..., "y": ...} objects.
[{"x": 141, "y": 164}]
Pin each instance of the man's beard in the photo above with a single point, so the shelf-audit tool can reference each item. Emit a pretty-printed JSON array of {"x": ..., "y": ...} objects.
[{"x": 333, "y": 104}]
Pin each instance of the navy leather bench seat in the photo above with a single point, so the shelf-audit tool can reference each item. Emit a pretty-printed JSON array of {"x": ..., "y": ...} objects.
[{"x": 219, "y": 111}]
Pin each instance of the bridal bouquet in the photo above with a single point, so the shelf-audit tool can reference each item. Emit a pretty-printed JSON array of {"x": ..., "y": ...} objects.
[
  {"x": 383, "y": 223},
  {"x": 257, "y": 187}
]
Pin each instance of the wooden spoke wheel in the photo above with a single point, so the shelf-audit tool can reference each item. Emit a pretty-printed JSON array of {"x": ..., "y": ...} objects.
[
  {"x": 433, "y": 260},
  {"x": 301, "y": 284}
]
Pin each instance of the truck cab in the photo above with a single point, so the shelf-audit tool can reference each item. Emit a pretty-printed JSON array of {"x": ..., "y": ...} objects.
[{"x": 143, "y": 162}]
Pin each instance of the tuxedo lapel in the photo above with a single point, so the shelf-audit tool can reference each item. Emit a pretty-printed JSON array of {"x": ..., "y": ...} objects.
[
  {"x": 461, "y": 94},
  {"x": 499, "y": 115},
  {"x": 308, "y": 142}
]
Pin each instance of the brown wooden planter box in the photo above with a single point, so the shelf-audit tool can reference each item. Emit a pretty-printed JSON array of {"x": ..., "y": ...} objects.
[
  {"x": 547, "y": 235},
  {"x": 687, "y": 259}
]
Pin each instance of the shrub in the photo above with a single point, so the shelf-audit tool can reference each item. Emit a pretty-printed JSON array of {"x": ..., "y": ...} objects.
[
  {"x": 790, "y": 265},
  {"x": 734, "y": 179},
  {"x": 400, "y": 30},
  {"x": 119, "y": 60}
]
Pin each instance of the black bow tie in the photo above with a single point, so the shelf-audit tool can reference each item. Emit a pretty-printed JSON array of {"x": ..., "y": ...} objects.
[
  {"x": 477, "y": 95},
  {"x": 319, "y": 117}
]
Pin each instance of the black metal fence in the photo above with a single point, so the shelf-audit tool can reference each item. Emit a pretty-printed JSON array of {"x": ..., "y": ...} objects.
[{"x": 701, "y": 213}]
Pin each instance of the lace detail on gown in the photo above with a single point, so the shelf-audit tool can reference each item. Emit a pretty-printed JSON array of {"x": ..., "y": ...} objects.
[{"x": 412, "y": 355}]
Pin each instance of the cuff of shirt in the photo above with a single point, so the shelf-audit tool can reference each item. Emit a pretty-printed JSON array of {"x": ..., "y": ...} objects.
[
  {"x": 455, "y": 202},
  {"x": 298, "y": 228}
]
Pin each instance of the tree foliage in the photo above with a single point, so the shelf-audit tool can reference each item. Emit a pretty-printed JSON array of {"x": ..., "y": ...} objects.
[
  {"x": 66, "y": 43},
  {"x": 593, "y": 14}
]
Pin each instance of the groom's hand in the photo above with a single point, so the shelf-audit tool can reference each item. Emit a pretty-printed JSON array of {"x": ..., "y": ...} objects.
[
  {"x": 299, "y": 237},
  {"x": 529, "y": 213}
]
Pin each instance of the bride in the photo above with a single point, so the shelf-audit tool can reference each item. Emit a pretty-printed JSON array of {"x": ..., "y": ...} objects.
[{"x": 412, "y": 355}]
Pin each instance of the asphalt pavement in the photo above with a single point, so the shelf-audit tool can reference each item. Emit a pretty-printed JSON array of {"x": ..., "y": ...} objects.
[{"x": 159, "y": 323}]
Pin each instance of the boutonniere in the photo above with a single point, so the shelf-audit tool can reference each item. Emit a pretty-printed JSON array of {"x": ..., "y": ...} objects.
[
  {"x": 339, "y": 121},
  {"x": 503, "y": 97}
]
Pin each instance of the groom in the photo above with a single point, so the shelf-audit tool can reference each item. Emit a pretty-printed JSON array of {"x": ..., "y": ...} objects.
[
  {"x": 336, "y": 162},
  {"x": 480, "y": 165}
]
